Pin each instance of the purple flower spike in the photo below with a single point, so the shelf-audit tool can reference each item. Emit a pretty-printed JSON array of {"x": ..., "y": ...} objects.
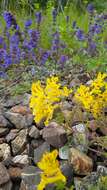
[
  {"x": 38, "y": 17},
  {"x": 74, "y": 24},
  {"x": 90, "y": 8},
  {"x": 28, "y": 23},
  {"x": 54, "y": 15},
  {"x": 63, "y": 59},
  {"x": 10, "y": 20},
  {"x": 80, "y": 35}
]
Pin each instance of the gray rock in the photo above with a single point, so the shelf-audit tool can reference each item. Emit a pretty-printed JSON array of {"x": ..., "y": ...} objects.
[
  {"x": 3, "y": 131},
  {"x": 86, "y": 182},
  {"x": 19, "y": 143},
  {"x": 30, "y": 178},
  {"x": 55, "y": 135},
  {"x": 5, "y": 151},
  {"x": 67, "y": 171},
  {"x": 64, "y": 152},
  {"x": 101, "y": 170},
  {"x": 80, "y": 137},
  {"x": 26, "y": 99},
  {"x": 34, "y": 132},
  {"x": 12, "y": 134},
  {"x": 4, "y": 176},
  {"x": 38, "y": 152},
  {"x": 3, "y": 121},
  {"x": 18, "y": 120},
  {"x": 21, "y": 159},
  {"x": 6, "y": 186}
]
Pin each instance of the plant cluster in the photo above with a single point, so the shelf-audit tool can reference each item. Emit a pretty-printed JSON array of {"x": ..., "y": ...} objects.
[
  {"x": 94, "y": 97},
  {"x": 56, "y": 44},
  {"x": 51, "y": 170},
  {"x": 45, "y": 99}
]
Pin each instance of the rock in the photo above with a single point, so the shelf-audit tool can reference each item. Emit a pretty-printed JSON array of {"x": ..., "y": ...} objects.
[
  {"x": 77, "y": 116},
  {"x": 67, "y": 171},
  {"x": 6, "y": 186},
  {"x": 12, "y": 102},
  {"x": 11, "y": 136},
  {"x": 38, "y": 152},
  {"x": 18, "y": 120},
  {"x": 2, "y": 140},
  {"x": 21, "y": 159},
  {"x": 19, "y": 143},
  {"x": 92, "y": 125},
  {"x": 23, "y": 110},
  {"x": 15, "y": 173},
  {"x": 55, "y": 135},
  {"x": 66, "y": 105},
  {"x": 26, "y": 99},
  {"x": 75, "y": 82},
  {"x": 80, "y": 137},
  {"x": 34, "y": 132},
  {"x": 36, "y": 142},
  {"x": 30, "y": 178},
  {"x": 4, "y": 176},
  {"x": 81, "y": 163},
  {"x": 3, "y": 121},
  {"x": 5, "y": 151},
  {"x": 101, "y": 170},
  {"x": 64, "y": 152},
  {"x": 3, "y": 131}
]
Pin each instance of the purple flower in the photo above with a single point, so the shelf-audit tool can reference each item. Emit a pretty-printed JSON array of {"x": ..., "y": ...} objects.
[
  {"x": 63, "y": 59},
  {"x": 54, "y": 15},
  {"x": 95, "y": 29},
  {"x": 28, "y": 23},
  {"x": 45, "y": 57},
  {"x": 67, "y": 19},
  {"x": 34, "y": 38},
  {"x": 7, "y": 61},
  {"x": 3, "y": 75},
  {"x": 74, "y": 24},
  {"x": 38, "y": 17},
  {"x": 90, "y": 8},
  {"x": 80, "y": 35},
  {"x": 10, "y": 20}
]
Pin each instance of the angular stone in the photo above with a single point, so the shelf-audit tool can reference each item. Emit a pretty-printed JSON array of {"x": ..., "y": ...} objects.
[
  {"x": 30, "y": 178},
  {"x": 64, "y": 152},
  {"x": 5, "y": 151},
  {"x": 21, "y": 159},
  {"x": 55, "y": 135},
  {"x": 101, "y": 170},
  {"x": 67, "y": 171},
  {"x": 6, "y": 186},
  {"x": 38, "y": 152},
  {"x": 80, "y": 137},
  {"x": 12, "y": 134},
  {"x": 4, "y": 176},
  {"x": 23, "y": 110},
  {"x": 34, "y": 132},
  {"x": 3, "y": 131},
  {"x": 3, "y": 121},
  {"x": 81, "y": 163},
  {"x": 15, "y": 173},
  {"x": 18, "y": 120},
  {"x": 19, "y": 143}
]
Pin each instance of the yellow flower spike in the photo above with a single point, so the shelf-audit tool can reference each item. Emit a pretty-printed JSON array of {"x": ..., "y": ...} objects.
[
  {"x": 94, "y": 97},
  {"x": 44, "y": 100},
  {"x": 51, "y": 170}
]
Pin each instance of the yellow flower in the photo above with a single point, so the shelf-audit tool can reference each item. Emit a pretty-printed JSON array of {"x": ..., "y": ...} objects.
[
  {"x": 44, "y": 100},
  {"x": 51, "y": 171},
  {"x": 94, "y": 97}
]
